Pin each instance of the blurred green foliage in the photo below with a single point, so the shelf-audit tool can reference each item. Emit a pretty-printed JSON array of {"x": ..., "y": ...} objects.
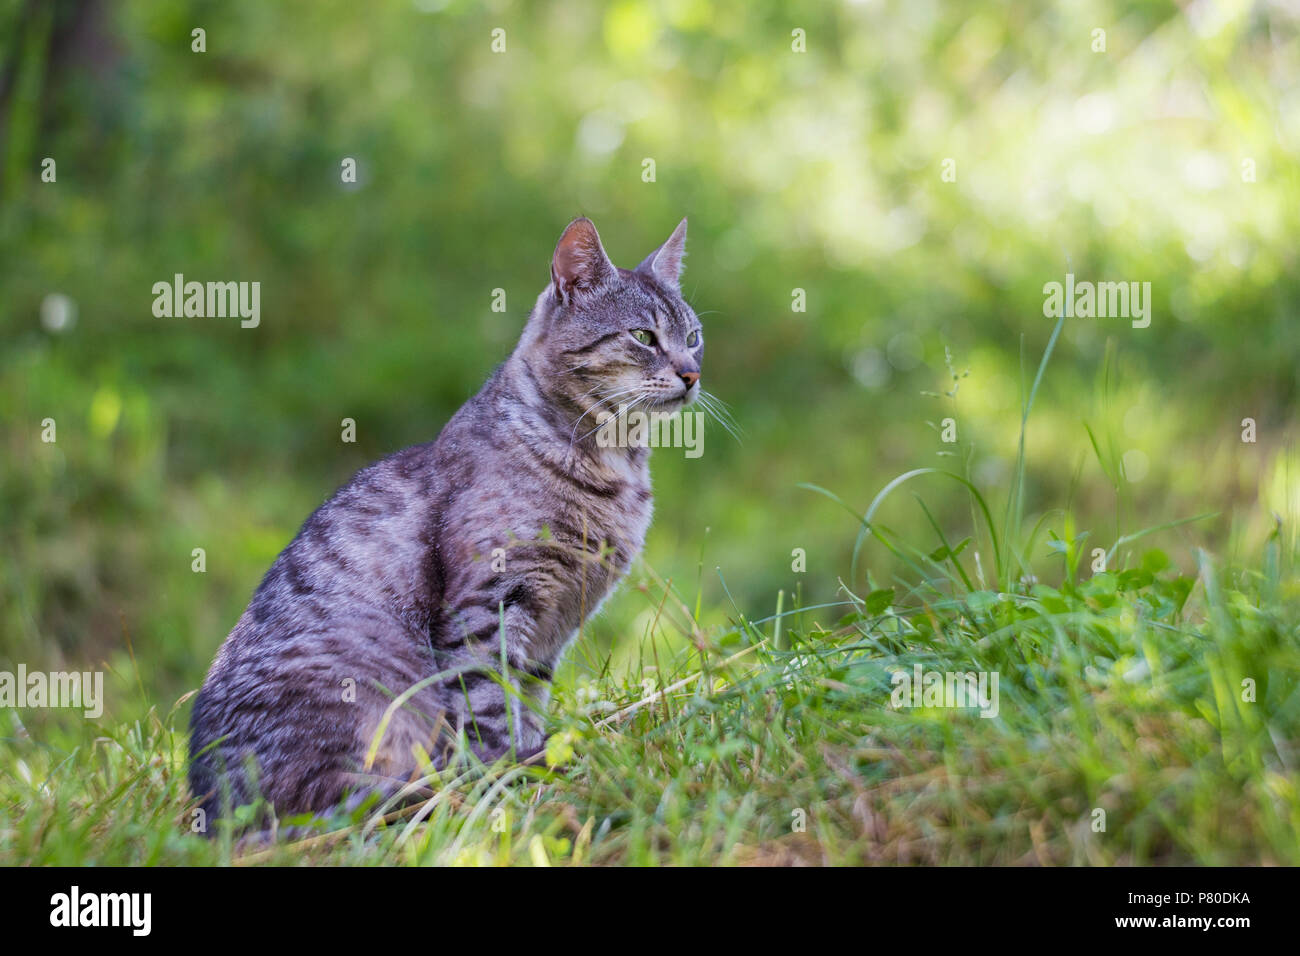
[{"x": 819, "y": 170}]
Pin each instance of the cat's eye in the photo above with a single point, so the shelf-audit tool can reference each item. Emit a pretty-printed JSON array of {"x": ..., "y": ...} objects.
[
  {"x": 644, "y": 336},
  {"x": 693, "y": 339}
]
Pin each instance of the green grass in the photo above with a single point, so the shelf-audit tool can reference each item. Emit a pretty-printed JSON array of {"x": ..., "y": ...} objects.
[
  {"x": 1120, "y": 691},
  {"x": 1145, "y": 716}
]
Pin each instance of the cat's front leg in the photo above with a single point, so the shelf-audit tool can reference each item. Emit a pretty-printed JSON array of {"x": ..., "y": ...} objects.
[
  {"x": 499, "y": 693},
  {"x": 501, "y": 716}
]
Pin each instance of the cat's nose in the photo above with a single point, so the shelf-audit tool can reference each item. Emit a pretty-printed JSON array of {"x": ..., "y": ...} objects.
[{"x": 690, "y": 378}]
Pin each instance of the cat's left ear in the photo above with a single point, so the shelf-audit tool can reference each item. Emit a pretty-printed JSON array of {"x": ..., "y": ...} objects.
[
  {"x": 580, "y": 263},
  {"x": 665, "y": 263}
]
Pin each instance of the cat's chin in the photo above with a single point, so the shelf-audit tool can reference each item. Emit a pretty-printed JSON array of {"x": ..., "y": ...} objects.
[{"x": 676, "y": 403}]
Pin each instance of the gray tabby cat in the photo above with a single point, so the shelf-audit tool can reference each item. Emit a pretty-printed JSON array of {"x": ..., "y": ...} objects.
[{"x": 396, "y": 582}]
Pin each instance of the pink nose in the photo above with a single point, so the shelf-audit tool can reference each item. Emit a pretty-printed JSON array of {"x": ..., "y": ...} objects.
[{"x": 690, "y": 378}]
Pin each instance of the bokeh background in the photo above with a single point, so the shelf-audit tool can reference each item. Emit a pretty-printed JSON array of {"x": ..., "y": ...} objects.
[{"x": 1170, "y": 158}]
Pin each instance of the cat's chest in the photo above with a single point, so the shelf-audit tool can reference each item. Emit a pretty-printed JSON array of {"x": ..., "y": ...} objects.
[
  {"x": 636, "y": 509},
  {"x": 589, "y": 544},
  {"x": 620, "y": 522}
]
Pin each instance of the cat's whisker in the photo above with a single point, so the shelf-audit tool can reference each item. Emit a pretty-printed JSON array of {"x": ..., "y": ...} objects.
[
  {"x": 593, "y": 388},
  {"x": 624, "y": 409},
  {"x": 719, "y": 407},
  {"x": 612, "y": 396},
  {"x": 605, "y": 397},
  {"x": 715, "y": 400},
  {"x": 641, "y": 396},
  {"x": 731, "y": 429},
  {"x": 716, "y": 408}
]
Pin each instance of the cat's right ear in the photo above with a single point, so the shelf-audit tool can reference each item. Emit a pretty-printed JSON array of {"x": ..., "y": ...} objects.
[
  {"x": 665, "y": 263},
  {"x": 580, "y": 263}
]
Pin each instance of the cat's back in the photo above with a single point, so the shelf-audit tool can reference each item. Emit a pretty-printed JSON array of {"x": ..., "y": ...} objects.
[
  {"x": 347, "y": 604},
  {"x": 372, "y": 550}
]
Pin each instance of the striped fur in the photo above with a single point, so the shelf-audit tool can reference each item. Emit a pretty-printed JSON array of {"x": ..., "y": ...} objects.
[{"x": 396, "y": 581}]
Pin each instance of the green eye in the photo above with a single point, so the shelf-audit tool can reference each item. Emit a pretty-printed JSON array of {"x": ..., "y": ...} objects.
[
  {"x": 643, "y": 336},
  {"x": 693, "y": 339}
]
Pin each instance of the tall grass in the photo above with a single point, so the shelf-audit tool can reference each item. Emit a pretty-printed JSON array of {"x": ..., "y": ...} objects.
[{"x": 1145, "y": 716}]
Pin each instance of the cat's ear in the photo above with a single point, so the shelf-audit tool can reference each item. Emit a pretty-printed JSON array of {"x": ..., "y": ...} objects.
[
  {"x": 665, "y": 263},
  {"x": 580, "y": 263}
]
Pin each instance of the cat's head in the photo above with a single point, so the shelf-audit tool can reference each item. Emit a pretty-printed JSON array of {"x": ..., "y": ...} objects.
[{"x": 602, "y": 337}]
